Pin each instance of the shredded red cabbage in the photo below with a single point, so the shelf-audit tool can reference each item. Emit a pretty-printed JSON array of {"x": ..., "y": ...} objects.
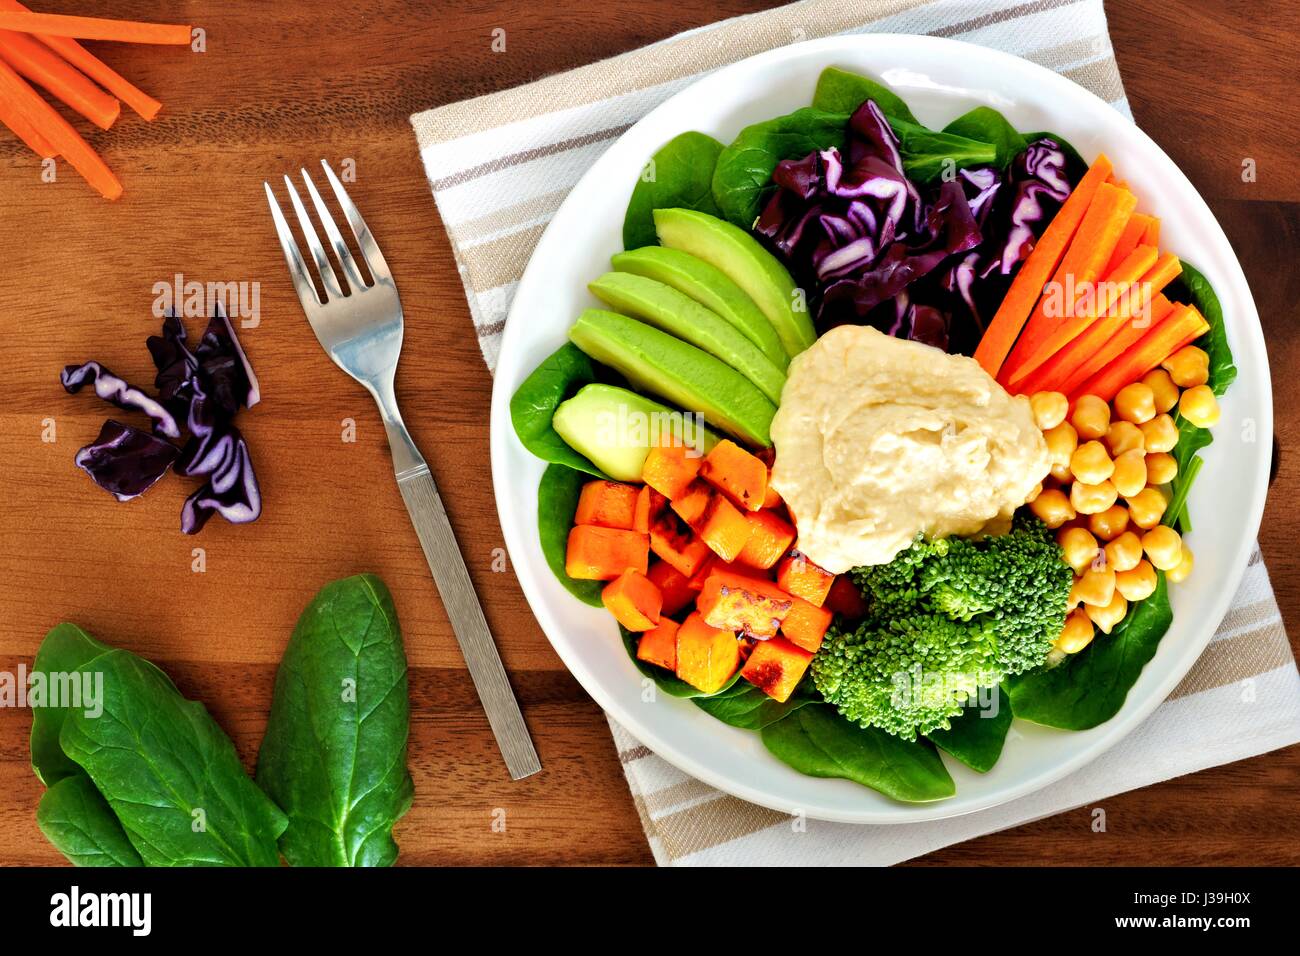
[
  {"x": 115, "y": 389},
  {"x": 126, "y": 461}
]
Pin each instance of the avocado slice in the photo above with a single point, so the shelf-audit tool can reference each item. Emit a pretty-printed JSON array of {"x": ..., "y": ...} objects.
[
  {"x": 710, "y": 287},
  {"x": 678, "y": 314},
  {"x": 740, "y": 256},
  {"x": 616, "y": 428},
  {"x": 670, "y": 368}
]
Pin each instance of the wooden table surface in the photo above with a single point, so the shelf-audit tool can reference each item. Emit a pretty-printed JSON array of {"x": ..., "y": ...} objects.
[{"x": 285, "y": 84}]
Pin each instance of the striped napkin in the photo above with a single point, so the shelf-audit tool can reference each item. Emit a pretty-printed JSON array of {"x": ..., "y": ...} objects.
[{"x": 500, "y": 165}]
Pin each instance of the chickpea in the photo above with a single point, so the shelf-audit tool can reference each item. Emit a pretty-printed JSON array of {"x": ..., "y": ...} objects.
[
  {"x": 1052, "y": 507},
  {"x": 1092, "y": 499},
  {"x": 1180, "y": 573},
  {"x": 1077, "y": 633},
  {"x": 1124, "y": 436},
  {"x": 1161, "y": 468},
  {"x": 1090, "y": 463},
  {"x": 1049, "y": 409},
  {"x": 1109, "y": 524},
  {"x": 1188, "y": 366},
  {"x": 1130, "y": 475},
  {"x": 1079, "y": 546},
  {"x": 1107, "y": 617},
  {"x": 1037, "y": 490},
  {"x": 1163, "y": 547},
  {"x": 1136, "y": 403},
  {"x": 1147, "y": 507},
  {"x": 1061, "y": 443},
  {"x": 1160, "y": 434},
  {"x": 1096, "y": 586},
  {"x": 1124, "y": 553},
  {"x": 1061, "y": 474},
  {"x": 1163, "y": 388},
  {"x": 1138, "y": 583},
  {"x": 1199, "y": 406},
  {"x": 1091, "y": 417}
]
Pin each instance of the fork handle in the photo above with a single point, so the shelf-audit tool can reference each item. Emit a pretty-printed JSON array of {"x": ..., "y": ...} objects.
[{"x": 424, "y": 505}]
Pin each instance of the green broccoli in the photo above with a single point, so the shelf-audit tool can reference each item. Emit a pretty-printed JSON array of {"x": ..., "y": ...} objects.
[{"x": 945, "y": 618}]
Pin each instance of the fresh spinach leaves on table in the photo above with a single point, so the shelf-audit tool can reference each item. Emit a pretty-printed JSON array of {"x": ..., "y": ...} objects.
[
  {"x": 532, "y": 407},
  {"x": 81, "y": 825},
  {"x": 678, "y": 176}
]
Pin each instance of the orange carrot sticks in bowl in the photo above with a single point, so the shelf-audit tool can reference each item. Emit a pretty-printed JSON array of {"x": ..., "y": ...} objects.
[{"x": 94, "y": 28}]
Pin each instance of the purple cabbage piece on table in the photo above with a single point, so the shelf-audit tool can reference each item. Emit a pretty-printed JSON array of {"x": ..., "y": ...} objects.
[
  {"x": 126, "y": 461},
  {"x": 112, "y": 388}
]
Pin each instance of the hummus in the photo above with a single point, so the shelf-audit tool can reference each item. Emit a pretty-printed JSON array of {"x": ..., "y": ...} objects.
[{"x": 879, "y": 439}]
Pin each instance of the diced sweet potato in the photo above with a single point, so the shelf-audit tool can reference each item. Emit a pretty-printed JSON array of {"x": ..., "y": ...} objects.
[
  {"x": 608, "y": 504},
  {"x": 737, "y": 602},
  {"x": 770, "y": 498},
  {"x": 659, "y": 645},
  {"x": 798, "y": 576},
  {"x": 670, "y": 470},
  {"x": 845, "y": 599},
  {"x": 806, "y": 625},
  {"x": 602, "y": 554},
  {"x": 776, "y": 667},
  {"x": 770, "y": 536},
  {"x": 706, "y": 656},
  {"x": 634, "y": 600},
  {"x": 723, "y": 528},
  {"x": 737, "y": 473},
  {"x": 649, "y": 503},
  {"x": 674, "y": 587},
  {"x": 692, "y": 501},
  {"x": 671, "y": 540}
]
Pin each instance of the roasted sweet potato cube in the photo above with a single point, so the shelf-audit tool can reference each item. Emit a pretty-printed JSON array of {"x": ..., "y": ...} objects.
[
  {"x": 649, "y": 503},
  {"x": 798, "y": 576},
  {"x": 737, "y": 602},
  {"x": 770, "y": 497},
  {"x": 770, "y": 536},
  {"x": 673, "y": 541},
  {"x": 775, "y": 667},
  {"x": 608, "y": 504},
  {"x": 737, "y": 473},
  {"x": 674, "y": 587},
  {"x": 670, "y": 469},
  {"x": 706, "y": 656},
  {"x": 690, "y": 504},
  {"x": 659, "y": 645},
  {"x": 806, "y": 625},
  {"x": 634, "y": 600},
  {"x": 602, "y": 554},
  {"x": 845, "y": 599},
  {"x": 723, "y": 528}
]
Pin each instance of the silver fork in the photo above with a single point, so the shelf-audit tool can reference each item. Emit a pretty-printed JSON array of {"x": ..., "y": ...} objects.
[{"x": 360, "y": 326}]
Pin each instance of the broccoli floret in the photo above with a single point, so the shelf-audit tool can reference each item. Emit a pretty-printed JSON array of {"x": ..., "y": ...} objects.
[{"x": 945, "y": 618}]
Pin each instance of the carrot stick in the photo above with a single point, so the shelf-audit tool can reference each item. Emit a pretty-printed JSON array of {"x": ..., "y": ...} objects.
[
  {"x": 1042, "y": 262},
  {"x": 95, "y": 68},
  {"x": 1129, "y": 240},
  {"x": 94, "y": 28},
  {"x": 25, "y": 131},
  {"x": 1125, "y": 336},
  {"x": 27, "y": 103},
  {"x": 1180, "y": 327},
  {"x": 46, "y": 69},
  {"x": 1152, "y": 236}
]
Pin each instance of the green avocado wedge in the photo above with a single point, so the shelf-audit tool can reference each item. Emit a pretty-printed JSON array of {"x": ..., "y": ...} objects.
[
  {"x": 740, "y": 257},
  {"x": 678, "y": 314},
  {"x": 710, "y": 287},
  {"x": 677, "y": 371},
  {"x": 616, "y": 428}
]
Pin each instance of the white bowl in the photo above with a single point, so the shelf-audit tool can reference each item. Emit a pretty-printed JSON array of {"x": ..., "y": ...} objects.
[{"x": 940, "y": 79}]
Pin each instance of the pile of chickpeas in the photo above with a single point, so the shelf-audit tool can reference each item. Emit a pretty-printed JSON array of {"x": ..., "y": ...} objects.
[{"x": 1105, "y": 496}]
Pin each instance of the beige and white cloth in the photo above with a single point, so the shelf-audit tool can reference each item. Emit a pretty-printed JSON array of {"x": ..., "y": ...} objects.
[{"x": 500, "y": 165}]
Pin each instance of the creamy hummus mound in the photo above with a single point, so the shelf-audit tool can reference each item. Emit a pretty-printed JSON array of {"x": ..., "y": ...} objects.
[{"x": 879, "y": 438}]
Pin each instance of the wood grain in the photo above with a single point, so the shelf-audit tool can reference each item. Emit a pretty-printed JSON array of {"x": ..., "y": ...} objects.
[{"x": 283, "y": 85}]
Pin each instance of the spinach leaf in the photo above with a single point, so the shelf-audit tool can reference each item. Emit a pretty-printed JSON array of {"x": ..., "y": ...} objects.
[
  {"x": 987, "y": 125},
  {"x": 533, "y": 406},
  {"x": 817, "y": 741},
  {"x": 974, "y": 738},
  {"x": 169, "y": 773},
  {"x": 65, "y": 649},
  {"x": 667, "y": 681},
  {"x": 334, "y": 755},
  {"x": 928, "y": 155},
  {"x": 744, "y": 705},
  {"x": 742, "y": 179},
  {"x": 839, "y": 91},
  {"x": 74, "y": 817},
  {"x": 557, "y": 503},
  {"x": 678, "y": 176},
  {"x": 1089, "y": 688}
]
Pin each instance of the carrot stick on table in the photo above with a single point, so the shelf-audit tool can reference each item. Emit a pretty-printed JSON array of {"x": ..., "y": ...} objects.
[
  {"x": 94, "y": 28},
  {"x": 1129, "y": 240},
  {"x": 1080, "y": 267},
  {"x": 26, "y": 103},
  {"x": 25, "y": 131},
  {"x": 45, "y": 68},
  {"x": 1025, "y": 290},
  {"x": 95, "y": 68},
  {"x": 1180, "y": 327}
]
